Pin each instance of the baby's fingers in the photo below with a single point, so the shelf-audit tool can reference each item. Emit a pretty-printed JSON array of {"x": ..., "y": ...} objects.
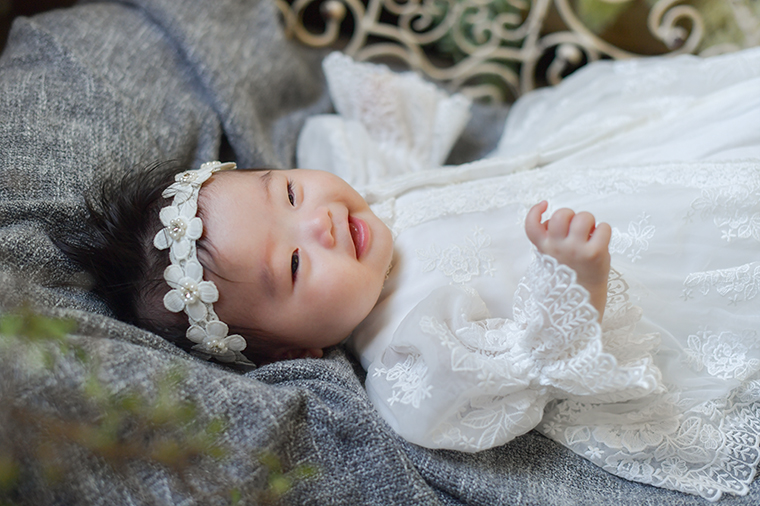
[
  {"x": 559, "y": 224},
  {"x": 601, "y": 236},
  {"x": 582, "y": 226},
  {"x": 534, "y": 229}
]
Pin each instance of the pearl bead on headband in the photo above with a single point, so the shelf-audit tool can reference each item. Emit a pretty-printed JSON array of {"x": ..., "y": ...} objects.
[{"x": 189, "y": 292}]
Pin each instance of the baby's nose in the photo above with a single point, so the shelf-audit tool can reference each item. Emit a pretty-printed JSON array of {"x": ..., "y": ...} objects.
[{"x": 320, "y": 226}]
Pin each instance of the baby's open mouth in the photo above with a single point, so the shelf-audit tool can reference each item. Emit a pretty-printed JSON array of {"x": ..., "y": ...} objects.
[{"x": 359, "y": 234}]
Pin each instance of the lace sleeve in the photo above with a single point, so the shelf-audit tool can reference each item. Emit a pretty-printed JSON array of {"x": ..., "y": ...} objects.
[
  {"x": 455, "y": 378},
  {"x": 387, "y": 124}
]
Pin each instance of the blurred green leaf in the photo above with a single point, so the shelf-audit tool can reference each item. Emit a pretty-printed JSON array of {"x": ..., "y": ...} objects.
[
  {"x": 215, "y": 427},
  {"x": 279, "y": 485},
  {"x": 159, "y": 426},
  {"x": 93, "y": 389},
  {"x": 26, "y": 323},
  {"x": 11, "y": 324},
  {"x": 130, "y": 403},
  {"x": 215, "y": 451},
  {"x": 271, "y": 462},
  {"x": 168, "y": 452},
  {"x": 305, "y": 472},
  {"x": 185, "y": 412},
  {"x": 279, "y": 482},
  {"x": 9, "y": 471}
]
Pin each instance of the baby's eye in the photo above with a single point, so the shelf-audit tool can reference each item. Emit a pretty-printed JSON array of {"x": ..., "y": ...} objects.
[
  {"x": 294, "y": 264},
  {"x": 291, "y": 193}
]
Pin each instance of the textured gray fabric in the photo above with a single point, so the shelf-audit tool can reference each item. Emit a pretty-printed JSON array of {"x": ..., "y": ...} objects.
[{"x": 91, "y": 92}]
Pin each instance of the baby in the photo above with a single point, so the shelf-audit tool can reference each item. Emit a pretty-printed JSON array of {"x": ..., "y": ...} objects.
[
  {"x": 292, "y": 260},
  {"x": 490, "y": 322}
]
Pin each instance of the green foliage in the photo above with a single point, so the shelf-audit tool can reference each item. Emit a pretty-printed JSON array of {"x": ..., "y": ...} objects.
[
  {"x": 477, "y": 26},
  {"x": 164, "y": 429},
  {"x": 9, "y": 470},
  {"x": 131, "y": 425},
  {"x": 158, "y": 426},
  {"x": 28, "y": 325},
  {"x": 25, "y": 334},
  {"x": 280, "y": 482}
]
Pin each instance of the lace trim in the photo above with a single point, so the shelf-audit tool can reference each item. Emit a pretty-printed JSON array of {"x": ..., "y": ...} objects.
[
  {"x": 578, "y": 363},
  {"x": 708, "y": 450},
  {"x": 553, "y": 348},
  {"x": 618, "y": 327},
  {"x": 413, "y": 122},
  {"x": 476, "y": 196}
]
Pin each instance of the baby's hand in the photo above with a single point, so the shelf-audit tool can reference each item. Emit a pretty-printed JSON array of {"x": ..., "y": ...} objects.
[{"x": 578, "y": 242}]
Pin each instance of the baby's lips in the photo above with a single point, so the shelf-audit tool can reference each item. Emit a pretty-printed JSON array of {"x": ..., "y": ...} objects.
[{"x": 359, "y": 234}]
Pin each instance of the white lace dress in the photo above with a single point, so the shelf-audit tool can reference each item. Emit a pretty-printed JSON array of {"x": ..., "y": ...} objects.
[{"x": 477, "y": 338}]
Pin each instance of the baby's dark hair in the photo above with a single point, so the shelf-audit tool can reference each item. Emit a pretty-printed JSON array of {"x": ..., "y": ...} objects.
[{"x": 116, "y": 249}]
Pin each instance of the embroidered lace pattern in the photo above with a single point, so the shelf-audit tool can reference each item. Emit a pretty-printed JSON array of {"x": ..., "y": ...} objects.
[
  {"x": 635, "y": 240},
  {"x": 476, "y": 196},
  {"x": 731, "y": 208},
  {"x": 412, "y": 123},
  {"x": 673, "y": 440},
  {"x": 408, "y": 377},
  {"x": 724, "y": 354},
  {"x": 709, "y": 449},
  {"x": 461, "y": 262},
  {"x": 737, "y": 284},
  {"x": 732, "y": 183}
]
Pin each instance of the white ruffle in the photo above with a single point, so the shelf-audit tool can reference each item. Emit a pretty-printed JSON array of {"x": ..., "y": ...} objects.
[
  {"x": 709, "y": 450},
  {"x": 454, "y": 378},
  {"x": 410, "y": 126}
]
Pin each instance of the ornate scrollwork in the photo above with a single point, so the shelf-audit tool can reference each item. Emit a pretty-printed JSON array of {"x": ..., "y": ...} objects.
[
  {"x": 494, "y": 50},
  {"x": 665, "y": 22}
]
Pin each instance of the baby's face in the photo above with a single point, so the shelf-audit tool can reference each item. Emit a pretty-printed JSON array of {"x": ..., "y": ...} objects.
[{"x": 296, "y": 254}]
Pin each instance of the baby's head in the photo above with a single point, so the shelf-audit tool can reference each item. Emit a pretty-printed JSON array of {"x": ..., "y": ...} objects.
[{"x": 290, "y": 260}]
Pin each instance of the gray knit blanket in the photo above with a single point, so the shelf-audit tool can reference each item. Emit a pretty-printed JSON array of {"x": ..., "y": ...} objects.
[{"x": 102, "y": 88}]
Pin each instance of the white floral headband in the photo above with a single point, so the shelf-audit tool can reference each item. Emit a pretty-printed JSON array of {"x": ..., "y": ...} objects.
[{"x": 190, "y": 293}]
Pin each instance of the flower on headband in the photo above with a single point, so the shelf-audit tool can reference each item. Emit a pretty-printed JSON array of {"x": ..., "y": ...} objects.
[
  {"x": 189, "y": 291},
  {"x": 185, "y": 183},
  {"x": 182, "y": 227},
  {"x": 215, "y": 341}
]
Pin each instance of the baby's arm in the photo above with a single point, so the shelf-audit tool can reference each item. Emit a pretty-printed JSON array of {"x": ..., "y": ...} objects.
[{"x": 578, "y": 242}]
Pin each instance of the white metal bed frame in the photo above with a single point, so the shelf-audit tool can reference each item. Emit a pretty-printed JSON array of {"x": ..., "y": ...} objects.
[{"x": 513, "y": 51}]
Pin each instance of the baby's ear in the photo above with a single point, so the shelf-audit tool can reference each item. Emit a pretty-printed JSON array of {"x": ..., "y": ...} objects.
[{"x": 311, "y": 353}]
